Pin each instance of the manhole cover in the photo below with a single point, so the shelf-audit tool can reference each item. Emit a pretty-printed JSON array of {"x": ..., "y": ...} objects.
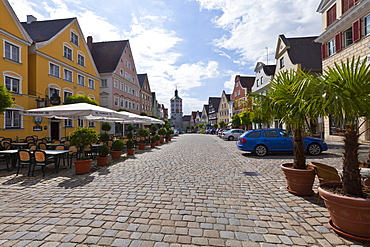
[{"x": 250, "y": 173}]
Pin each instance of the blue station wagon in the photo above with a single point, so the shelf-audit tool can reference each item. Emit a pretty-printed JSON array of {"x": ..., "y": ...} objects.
[{"x": 262, "y": 141}]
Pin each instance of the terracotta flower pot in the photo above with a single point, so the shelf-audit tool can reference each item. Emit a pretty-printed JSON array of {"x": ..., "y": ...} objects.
[
  {"x": 116, "y": 154},
  {"x": 349, "y": 216},
  {"x": 300, "y": 181},
  {"x": 82, "y": 166},
  {"x": 152, "y": 145},
  {"x": 131, "y": 151},
  {"x": 101, "y": 161},
  {"x": 161, "y": 140},
  {"x": 141, "y": 146}
]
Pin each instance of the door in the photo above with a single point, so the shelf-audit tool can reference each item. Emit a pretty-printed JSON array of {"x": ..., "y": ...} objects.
[{"x": 55, "y": 130}]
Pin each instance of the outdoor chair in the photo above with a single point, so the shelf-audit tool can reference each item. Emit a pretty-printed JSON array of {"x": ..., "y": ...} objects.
[
  {"x": 7, "y": 145},
  {"x": 56, "y": 142},
  {"x": 24, "y": 158},
  {"x": 42, "y": 146},
  {"x": 73, "y": 153},
  {"x": 88, "y": 151},
  {"x": 325, "y": 173},
  {"x": 32, "y": 147},
  {"x": 29, "y": 144},
  {"x": 42, "y": 160}
]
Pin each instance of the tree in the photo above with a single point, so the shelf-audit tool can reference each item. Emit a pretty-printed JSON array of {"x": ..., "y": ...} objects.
[
  {"x": 222, "y": 124},
  {"x": 245, "y": 118},
  {"x": 80, "y": 99},
  {"x": 281, "y": 102},
  {"x": 344, "y": 92},
  {"x": 215, "y": 125},
  {"x": 6, "y": 99},
  {"x": 235, "y": 120}
]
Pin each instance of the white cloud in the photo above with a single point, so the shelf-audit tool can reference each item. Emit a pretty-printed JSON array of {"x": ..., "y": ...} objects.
[{"x": 253, "y": 25}]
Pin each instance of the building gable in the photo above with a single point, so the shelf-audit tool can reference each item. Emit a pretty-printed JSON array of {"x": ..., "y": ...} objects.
[{"x": 10, "y": 24}]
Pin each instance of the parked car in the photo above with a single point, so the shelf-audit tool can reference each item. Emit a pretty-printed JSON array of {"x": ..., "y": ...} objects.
[
  {"x": 220, "y": 131},
  {"x": 231, "y": 134},
  {"x": 262, "y": 141},
  {"x": 176, "y": 132}
]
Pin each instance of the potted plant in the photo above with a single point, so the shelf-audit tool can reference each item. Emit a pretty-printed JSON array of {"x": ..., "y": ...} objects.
[
  {"x": 103, "y": 152},
  {"x": 104, "y": 137},
  {"x": 143, "y": 133},
  {"x": 106, "y": 127},
  {"x": 156, "y": 138},
  {"x": 117, "y": 147},
  {"x": 152, "y": 142},
  {"x": 169, "y": 134},
  {"x": 130, "y": 147},
  {"x": 344, "y": 92},
  {"x": 81, "y": 138},
  {"x": 281, "y": 102},
  {"x": 162, "y": 132}
]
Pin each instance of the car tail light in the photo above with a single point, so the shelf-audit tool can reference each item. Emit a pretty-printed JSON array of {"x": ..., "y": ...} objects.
[{"x": 242, "y": 140}]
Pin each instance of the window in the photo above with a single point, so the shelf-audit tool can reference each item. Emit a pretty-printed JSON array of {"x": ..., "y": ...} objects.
[
  {"x": 81, "y": 80},
  {"x": 104, "y": 83},
  {"x": 238, "y": 92},
  {"x": 68, "y": 123},
  {"x": 121, "y": 87},
  {"x": 12, "y": 84},
  {"x": 53, "y": 90},
  {"x": 54, "y": 70},
  {"x": 81, "y": 60},
  {"x": 257, "y": 82},
  {"x": 367, "y": 24},
  {"x": 80, "y": 123},
  {"x": 270, "y": 133},
  {"x": 67, "y": 75},
  {"x": 122, "y": 103},
  {"x": 121, "y": 71},
  {"x": 115, "y": 84},
  {"x": 347, "y": 37},
  {"x": 115, "y": 101},
  {"x": 67, "y": 53},
  {"x": 12, "y": 119},
  {"x": 254, "y": 134},
  {"x": 282, "y": 62},
  {"x": 74, "y": 38},
  {"x": 91, "y": 84},
  {"x": 261, "y": 80},
  {"x": 11, "y": 52},
  {"x": 127, "y": 64},
  {"x": 133, "y": 91},
  {"x": 331, "y": 15},
  {"x": 67, "y": 94},
  {"x": 91, "y": 124},
  {"x": 331, "y": 47}
]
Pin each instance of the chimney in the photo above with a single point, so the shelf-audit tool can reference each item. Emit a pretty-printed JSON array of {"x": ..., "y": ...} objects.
[
  {"x": 30, "y": 19},
  {"x": 89, "y": 42}
]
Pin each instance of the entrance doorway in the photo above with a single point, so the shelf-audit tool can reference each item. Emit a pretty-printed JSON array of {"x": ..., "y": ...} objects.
[{"x": 55, "y": 130}]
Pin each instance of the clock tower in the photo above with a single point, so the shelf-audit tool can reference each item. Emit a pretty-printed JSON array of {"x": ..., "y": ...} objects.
[{"x": 176, "y": 111}]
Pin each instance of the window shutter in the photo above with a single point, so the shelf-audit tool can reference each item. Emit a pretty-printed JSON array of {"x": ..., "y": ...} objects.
[
  {"x": 324, "y": 51},
  {"x": 356, "y": 30},
  {"x": 338, "y": 42}
]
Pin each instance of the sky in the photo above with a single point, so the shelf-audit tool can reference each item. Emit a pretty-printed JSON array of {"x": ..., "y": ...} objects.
[{"x": 196, "y": 46}]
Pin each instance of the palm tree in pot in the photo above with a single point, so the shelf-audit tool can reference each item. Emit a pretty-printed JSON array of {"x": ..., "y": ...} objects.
[
  {"x": 343, "y": 92},
  {"x": 81, "y": 138},
  {"x": 280, "y": 102}
]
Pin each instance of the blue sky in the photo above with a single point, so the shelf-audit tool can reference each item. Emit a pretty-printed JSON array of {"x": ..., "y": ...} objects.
[{"x": 197, "y": 45}]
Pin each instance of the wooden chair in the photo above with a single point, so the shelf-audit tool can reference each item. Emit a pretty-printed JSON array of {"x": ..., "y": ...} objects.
[
  {"x": 24, "y": 158},
  {"x": 56, "y": 142},
  {"x": 325, "y": 173},
  {"x": 42, "y": 146},
  {"x": 42, "y": 160},
  {"x": 6, "y": 145},
  {"x": 32, "y": 147},
  {"x": 73, "y": 153}
]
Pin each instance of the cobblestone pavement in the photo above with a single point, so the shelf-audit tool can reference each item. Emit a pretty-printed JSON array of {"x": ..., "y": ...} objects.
[{"x": 193, "y": 191}]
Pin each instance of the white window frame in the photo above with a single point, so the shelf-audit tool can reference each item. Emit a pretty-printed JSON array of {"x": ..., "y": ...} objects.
[
  {"x": 282, "y": 62},
  {"x": 12, "y": 119},
  {"x": 65, "y": 52},
  {"x": 11, "y": 56},
  {"x": 6, "y": 74},
  {"x": 65, "y": 92},
  {"x": 367, "y": 25},
  {"x": 79, "y": 81},
  {"x": 122, "y": 87},
  {"x": 91, "y": 84},
  {"x": 347, "y": 37},
  {"x": 104, "y": 83},
  {"x": 115, "y": 84},
  {"x": 91, "y": 124},
  {"x": 116, "y": 101},
  {"x": 122, "y": 103},
  {"x": 80, "y": 122},
  {"x": 81, "y": 59},
  {"x": 65, "y": 75},
  {"x": 54, "y": 70},
  {"x": 68, "y": 123},
  {"x": 331, "y": 47},
  {"x": 73, "y": 40}
]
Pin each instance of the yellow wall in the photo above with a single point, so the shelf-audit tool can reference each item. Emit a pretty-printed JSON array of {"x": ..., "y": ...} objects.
[{"x": 223, "y": 110}]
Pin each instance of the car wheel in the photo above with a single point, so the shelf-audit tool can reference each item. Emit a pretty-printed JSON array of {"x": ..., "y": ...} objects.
[
  {"x": 230, "y": 138},
  {"x": 314, "y": 149},
  {"x": 260, "y": 150}
]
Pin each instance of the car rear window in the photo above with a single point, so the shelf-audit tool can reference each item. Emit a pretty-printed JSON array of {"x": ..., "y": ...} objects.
[
  {"x": 254, "y": 134},
  {"x": 270, "y": 133}
]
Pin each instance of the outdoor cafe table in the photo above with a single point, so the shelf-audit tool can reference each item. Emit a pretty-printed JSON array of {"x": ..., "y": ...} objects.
[{"x": 57, "y": 154}]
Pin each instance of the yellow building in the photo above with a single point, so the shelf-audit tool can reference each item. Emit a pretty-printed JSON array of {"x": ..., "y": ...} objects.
[
  {"x": 224, "y": 108},
  {"x": 15, "y": 43}
]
